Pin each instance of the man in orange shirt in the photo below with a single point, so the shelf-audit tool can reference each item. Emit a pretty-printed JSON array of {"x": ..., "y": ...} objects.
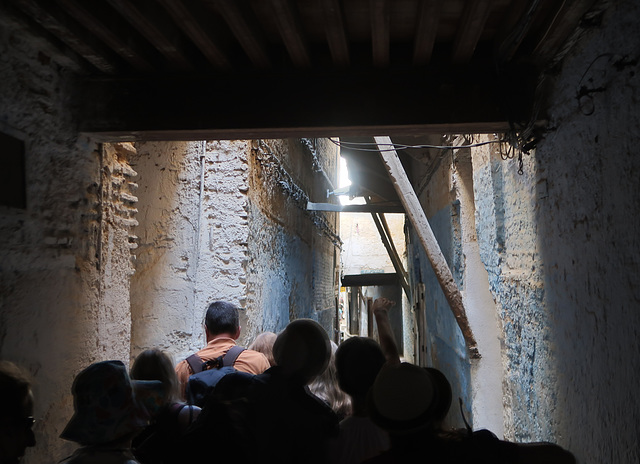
[{"x": 222, "y": 328}]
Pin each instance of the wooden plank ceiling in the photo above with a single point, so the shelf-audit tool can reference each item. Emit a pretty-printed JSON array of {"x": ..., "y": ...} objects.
[{"x": 169, "y": 69}]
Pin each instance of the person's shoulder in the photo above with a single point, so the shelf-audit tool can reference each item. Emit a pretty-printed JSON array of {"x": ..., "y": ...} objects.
[{"x": 254, "y": 361}]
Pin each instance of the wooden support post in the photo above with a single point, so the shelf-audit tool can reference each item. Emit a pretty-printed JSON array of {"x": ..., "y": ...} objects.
[
  {"x": 387, "y": 241},
  {"x": 416, "y": 214}
]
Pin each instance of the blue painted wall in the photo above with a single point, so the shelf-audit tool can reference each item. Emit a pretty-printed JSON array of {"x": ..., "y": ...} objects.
[{"x": 446, "y": 347}]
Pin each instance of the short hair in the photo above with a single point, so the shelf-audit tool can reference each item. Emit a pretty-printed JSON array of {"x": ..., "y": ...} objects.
[
  {"x": 15, "y": 388},
  {"x": 155, "y": 364},
  {"x": 358, "y": 361},
  {"x": 222, "y": 317}
]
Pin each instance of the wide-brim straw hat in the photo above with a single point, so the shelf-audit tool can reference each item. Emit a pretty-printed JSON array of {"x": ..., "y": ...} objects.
[
  {"x": 405, "y": 398},
  {"x": 105, "y": 406}
]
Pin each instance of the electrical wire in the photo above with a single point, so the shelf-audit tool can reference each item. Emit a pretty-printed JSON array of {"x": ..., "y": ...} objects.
[{"x": 398, "y": 146}]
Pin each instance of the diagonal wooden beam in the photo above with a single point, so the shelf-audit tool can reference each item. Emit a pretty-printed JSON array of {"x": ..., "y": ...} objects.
[
  {"x": 56, "y": 22},
  {"x": 419, "y": 220},
  {"x": 336, "y": 34},
  {"x": 191, "y": 27},
  {"x": 243, "y": 32},
  {"x": 387, "y": 241},
  {"x": 426, "y": 30},
  {"x": 474, "y": 17},
  {"x": 143, "y": 17},
  {"x": 380, "y": 18},
  {"x": 291, "y": 33},
  {"x": 104, "y": 28}
]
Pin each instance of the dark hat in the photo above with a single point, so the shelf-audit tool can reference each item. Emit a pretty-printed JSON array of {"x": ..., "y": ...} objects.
[
  {"x": 405, "y": 398},
  {"x": 105, "y": 405},
  {"x": 303, "y": 349}
]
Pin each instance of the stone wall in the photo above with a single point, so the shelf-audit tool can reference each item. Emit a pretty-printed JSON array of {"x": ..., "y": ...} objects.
[
  {"x": 560, "y": 246},
  {"x": 293, "y": 253},
  {"x": 227, "y": 220},
  {"x": 55, "y": 312}
]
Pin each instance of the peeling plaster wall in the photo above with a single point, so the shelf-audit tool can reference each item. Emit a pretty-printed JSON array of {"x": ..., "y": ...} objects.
[
  {"x": 445, "y": 343},
  {"x": 192, "y": 241},
  {"x": 242, "y": 235},
  {"x": 560, "y": 244},
  {"x": 55, "y": 316},
  {"x": 293, "y": 256}
]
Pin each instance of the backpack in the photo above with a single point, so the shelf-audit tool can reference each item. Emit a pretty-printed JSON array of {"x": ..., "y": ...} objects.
[{"x": 207, "y": 374}]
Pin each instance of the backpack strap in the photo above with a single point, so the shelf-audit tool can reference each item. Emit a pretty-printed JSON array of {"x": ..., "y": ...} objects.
[
  {"x": 230, "y": 357},
  {"x": 195, "y": 362}
]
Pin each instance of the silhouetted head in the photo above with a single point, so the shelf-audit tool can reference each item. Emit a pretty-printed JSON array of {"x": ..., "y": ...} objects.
[
  {"x": 155, "y": 364},
  {"x": 358, "y": 361},
  {"x": 16, "y": 414},
  {"x": 406, "y": 398},
  {"x": 302, "y": 350},
  {"x": 222, "y": 318},
  {"x": 105, "y": 406},
  {"x": 264, "y": 344}
]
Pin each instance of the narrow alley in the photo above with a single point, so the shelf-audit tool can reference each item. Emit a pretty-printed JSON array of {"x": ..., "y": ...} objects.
[{"x": 162, "y": 155}]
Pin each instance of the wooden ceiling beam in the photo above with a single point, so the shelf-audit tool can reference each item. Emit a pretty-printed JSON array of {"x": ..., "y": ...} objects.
[
  {"x": 380, "y": 32},
  {"x": 58, "y": 23},
  {"x": 291, "y": 33},
  {"x": 558, "y": 29},
  {"x": 192, "y": 28},
  {"x": 245, "y": 34},
  {"x": 342, "y": 104},
  {"x": 426, "y": 30},
  {"x": 336, "y": 34},
  {"x": 474, "y": 18},
  {"x": 161, "y": 34},
  {"x": 50, "y": 45},
  {"x": 110, "y": 35},
  {"x": 515, "y": 27}
]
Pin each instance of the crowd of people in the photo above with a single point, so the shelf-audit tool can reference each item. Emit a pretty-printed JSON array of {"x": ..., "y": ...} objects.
[{"x": 292, "y": 397}]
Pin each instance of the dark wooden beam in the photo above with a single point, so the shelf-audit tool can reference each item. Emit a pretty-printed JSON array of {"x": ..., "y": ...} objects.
[
  {"x": 406, "y": 103},
  {"x": 369, "y": 280},
  {"x": 103, "y": 23},
  {"x": 15, "y": 19},
  {"x": 380, "y": 18},
  {"x": 289, "y": 27},
  {"x": 244, "y": 33},
  {"x": 191, "y": 27},
  {"x": 58, "y": 23},
  {"x": 146, "y": 18},
  {"x": 426, "y": 30},
  {"x": 369, "y": 208},
  {"x": 336, "y": 34},
  {"x": 474, "y": 18}
]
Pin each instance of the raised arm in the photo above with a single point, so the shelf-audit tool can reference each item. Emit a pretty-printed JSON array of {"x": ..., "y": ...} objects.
[{"x": 388, "y": 344}]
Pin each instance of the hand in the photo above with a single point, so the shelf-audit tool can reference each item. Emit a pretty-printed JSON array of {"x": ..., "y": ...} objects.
[{"x": 382, "y": 305}]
